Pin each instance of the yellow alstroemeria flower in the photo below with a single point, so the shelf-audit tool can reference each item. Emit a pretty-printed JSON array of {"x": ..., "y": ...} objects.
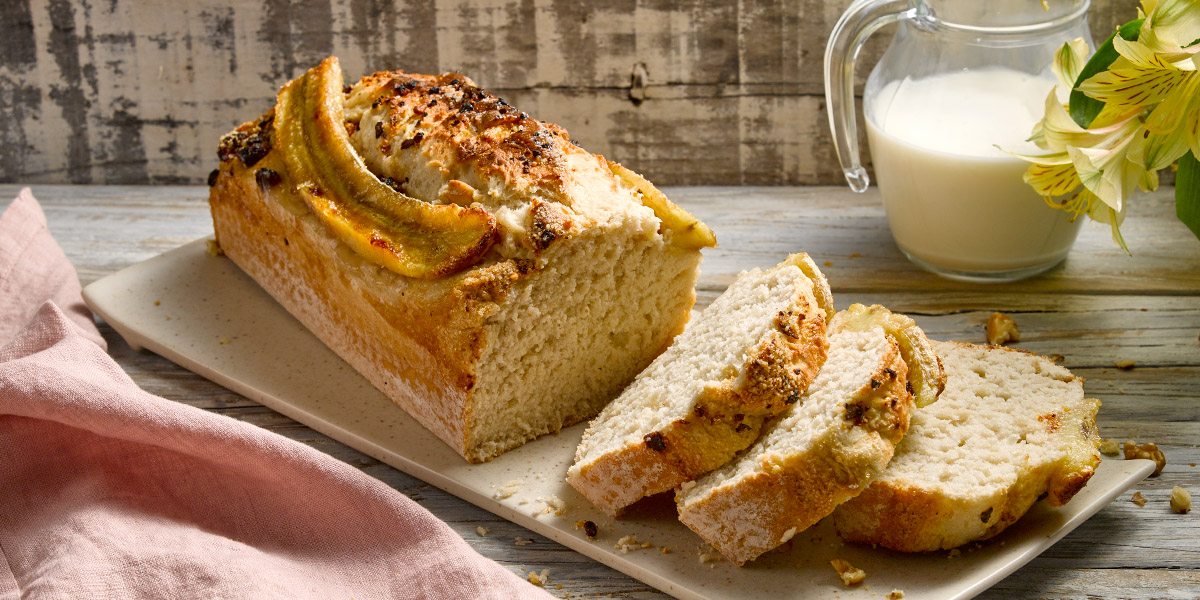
[{"x": 1150, "y": 118}]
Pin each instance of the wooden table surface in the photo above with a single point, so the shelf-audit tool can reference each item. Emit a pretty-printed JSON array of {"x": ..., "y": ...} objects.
[{"x": 1098, "y": 308}]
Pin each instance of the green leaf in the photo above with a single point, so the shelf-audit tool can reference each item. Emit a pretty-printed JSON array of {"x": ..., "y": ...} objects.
[
  {"x": 1187, "y": 193},
  {"x": 1084, "y": 109}
]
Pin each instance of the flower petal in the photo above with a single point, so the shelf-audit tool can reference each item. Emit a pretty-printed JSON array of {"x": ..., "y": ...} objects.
[
  {"x": 1052, "y": 180},
  {"x": 1132, "y": 86}
]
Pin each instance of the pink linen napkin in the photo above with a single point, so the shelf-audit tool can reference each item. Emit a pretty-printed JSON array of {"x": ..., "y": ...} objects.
[{"x": 109, "y": 492}]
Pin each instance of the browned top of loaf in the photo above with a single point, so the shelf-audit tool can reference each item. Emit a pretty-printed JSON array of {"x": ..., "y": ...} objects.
[{"x": 483, "y": 133}]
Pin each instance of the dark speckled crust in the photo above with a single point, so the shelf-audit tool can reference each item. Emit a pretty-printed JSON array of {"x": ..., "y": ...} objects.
[{"x": 485, "y": 133}]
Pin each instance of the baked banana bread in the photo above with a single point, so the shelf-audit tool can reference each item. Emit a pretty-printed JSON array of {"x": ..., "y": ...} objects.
[
  {"x": 827, "y": 447},
  {"x": 1011, "y": 427},
  {"x": 749, "y": 356},
  {"x": 488, "y": 275}
]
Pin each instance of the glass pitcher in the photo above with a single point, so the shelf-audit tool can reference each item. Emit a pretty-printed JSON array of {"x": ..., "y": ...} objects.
[{"x": 962, "y": 85}]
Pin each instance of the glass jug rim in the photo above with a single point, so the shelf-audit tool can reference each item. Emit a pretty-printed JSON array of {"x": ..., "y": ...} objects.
[{"x": 928, "y": 17}]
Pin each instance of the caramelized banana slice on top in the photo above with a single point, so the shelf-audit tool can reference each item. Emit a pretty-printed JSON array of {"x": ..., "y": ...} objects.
[{"x": 405, "y": 235}]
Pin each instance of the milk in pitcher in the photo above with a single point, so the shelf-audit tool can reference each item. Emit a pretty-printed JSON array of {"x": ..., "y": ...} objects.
[{"x": 953, "y": 198}]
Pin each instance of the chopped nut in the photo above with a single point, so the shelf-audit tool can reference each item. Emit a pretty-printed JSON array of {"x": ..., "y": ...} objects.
[
  {"x": 1110, "y": 447},
  {"x": 481, "y": 530},
  {"x": 214, "y": 247},
  {"x": 1001, "y": 329},
  {"x": 1125, "y": 364},
  {"x": 1138, "y": 499},
  {"x": 895, "y": 595},
  {"x": 1150, "y": 451},
  {"x": 850, "y": 574},
  {"x": 1181, "y": 500},
  {"x": 539, "y": 579}
]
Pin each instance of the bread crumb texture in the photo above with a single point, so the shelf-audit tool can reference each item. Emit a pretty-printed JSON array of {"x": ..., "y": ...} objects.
[
  {"x": 1001, "y": 329},
  {"x": 1148, "y": 451},
  {"x": 849, "y": 574},
  {"x": 1181, "y": 500},
  {"x": 1010, "y": 427}
]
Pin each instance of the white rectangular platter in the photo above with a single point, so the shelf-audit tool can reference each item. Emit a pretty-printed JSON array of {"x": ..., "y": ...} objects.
[{"x": 203, "y": 313}]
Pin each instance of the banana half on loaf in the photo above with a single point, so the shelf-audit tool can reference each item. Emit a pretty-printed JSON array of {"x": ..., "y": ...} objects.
[{"x": 484, "y": 272}]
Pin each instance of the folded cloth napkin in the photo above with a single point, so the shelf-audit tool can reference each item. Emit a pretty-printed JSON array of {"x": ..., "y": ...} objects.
[{"x": 107, "y": 491}]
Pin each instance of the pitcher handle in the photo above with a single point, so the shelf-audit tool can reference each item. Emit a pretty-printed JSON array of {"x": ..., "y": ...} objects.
[{"x": 860, "y": 20}]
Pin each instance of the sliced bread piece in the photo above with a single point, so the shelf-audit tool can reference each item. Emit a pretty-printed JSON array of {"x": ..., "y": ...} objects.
[
  {"x": 822, "y": 451},
  {"x": 748, "y": 356},
  {"x": 1010, "y": 427}
]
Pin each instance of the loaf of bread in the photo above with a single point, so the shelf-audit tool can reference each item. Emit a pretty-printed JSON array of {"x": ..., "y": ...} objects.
[
  {"x": 488, "y": 275},
  {"x": 749, "y": 356},
  {"x": 1010, "y": 427},
  {"x": 824, "y": 450}
]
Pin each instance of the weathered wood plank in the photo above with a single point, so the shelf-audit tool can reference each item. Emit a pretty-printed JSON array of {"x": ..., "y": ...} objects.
[
  {"x": 846, "y": 230},
  {"x": 139, "y": 92},
  {"x": 1098, "y": 308}
]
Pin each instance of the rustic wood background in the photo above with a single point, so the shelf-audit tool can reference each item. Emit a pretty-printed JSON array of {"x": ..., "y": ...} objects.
[{"x": 691, "y": 92}]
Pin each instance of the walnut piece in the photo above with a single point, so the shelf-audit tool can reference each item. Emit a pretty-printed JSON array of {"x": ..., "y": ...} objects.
[
  {"x": 850, "y": 574},
  {"x": 1181, "y": 500},
  {"x": 1001, "y": 329},
  {"x": 1138, "y": 499},
  {"x": 1149, "y": 450}
]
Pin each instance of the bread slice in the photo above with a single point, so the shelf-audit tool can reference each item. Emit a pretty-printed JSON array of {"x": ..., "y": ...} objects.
[
  {"x": 1010, "y": 427},
  {"x": 587, "y": 281},
  {"x": 751, "y": 354},
  {"x": 821, "y": 452}
]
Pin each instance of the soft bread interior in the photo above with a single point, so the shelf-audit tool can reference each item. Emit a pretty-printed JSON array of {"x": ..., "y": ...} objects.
[
  {"x": 576, "y": 334},
  {"x": 713, "y": 349}
]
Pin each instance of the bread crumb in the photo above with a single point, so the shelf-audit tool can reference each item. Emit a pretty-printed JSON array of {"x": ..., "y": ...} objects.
[
  {"x": 665, "y": 550},
  {"x": 520, "y": 541},
  {"x": 558, "y": 587},
  {"x": 707, "y": 554},
  {"x": 553, "y": 505},
  {"x": 214, "y": 248},
  {"x": 157, "y": 303},
  {"x": 895, "y": 595},
  {"x": 223, "y": 341},
  {"x": 1181, "y": 500},
  {"x": 481, "y": 531},
  {"x": 1110, "y": 447},
  {"x": 1138, "y": 499},
  {"x": 508, "y": 489},
  {"x": 850, "y": 574},
  {"x": 787, "y": 535},
  {"x": 829, "y": 263},
  {"x": 1057, "y": 358},
  {"x": 1001, "y": 329},
  {"x": 855, "y": 255},
  {"x": 687, "y": 485},
  {"x": 539, "y": 579},
  {"x": 629, "y": 542},
  {"x": 1125, "y": 364},
  {"x": 1149, "y": 450}
]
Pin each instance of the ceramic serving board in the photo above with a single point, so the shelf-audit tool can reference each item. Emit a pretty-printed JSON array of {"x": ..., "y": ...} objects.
[{"x": 203, "y": 313}]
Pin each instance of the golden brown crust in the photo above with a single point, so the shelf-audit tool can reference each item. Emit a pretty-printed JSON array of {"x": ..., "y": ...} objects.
[
  {"x": 902, "y": 515},
  {"x": 483, "y": 133},
  {"x": 749, "y": 516},
  {"x": 727, "y": 417}
]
